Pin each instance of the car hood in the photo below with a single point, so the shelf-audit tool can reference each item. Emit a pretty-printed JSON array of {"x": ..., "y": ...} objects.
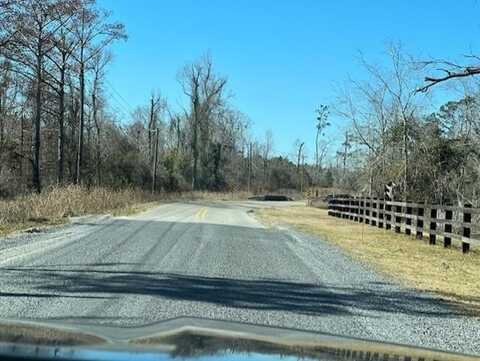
[{"x": 194, "y": 338}]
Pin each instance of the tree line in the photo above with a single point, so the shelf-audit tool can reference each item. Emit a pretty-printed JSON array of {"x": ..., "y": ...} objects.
[
  {"x": 393, "y": 135},
  {"x": 57, "y": 125}
]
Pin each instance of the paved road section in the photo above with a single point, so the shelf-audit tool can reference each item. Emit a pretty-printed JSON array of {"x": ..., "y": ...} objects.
[{"x": 214, "y": 260}]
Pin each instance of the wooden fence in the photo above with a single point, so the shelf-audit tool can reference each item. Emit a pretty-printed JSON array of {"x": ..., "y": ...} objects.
[{"x": 449, "y": 222}]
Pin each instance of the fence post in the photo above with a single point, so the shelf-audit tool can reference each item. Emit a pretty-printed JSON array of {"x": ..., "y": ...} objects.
[
  {"x": 355, "y": 209},
  {"x": 350, "y": 209},
  {"x": 388, "y": 215},
  {"x": 448, "y": 228},
  {"x": 381, "y": 213},
  {"x": 357, "y": 212},
  {"x": 408, "y": 219},
  {"x": 367, "y": 210},
  {"x": 374, "y": 205},
  {"x": 398, "y": 219},
  {"x": 360, "y": 210},
  {"x": 433, "y": 226},
  {"x": 420, "y": 214},
  {"x": 466, "y": 227}
]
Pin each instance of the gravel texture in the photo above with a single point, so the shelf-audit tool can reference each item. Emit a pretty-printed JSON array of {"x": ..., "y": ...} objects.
[{"x": 213, "y": 260}]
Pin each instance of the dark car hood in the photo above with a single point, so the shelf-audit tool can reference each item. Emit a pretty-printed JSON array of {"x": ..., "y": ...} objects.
[{"x": 193, "y": 338}]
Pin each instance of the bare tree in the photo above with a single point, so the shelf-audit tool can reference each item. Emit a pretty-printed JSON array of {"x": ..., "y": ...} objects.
[
  {"x": 8, "y": 30},
  {"x": 93, "y": 33},
  {"x": 448, "y": 70},
  {"x": 299, "y": 155},
  {"x": 322, "y": 123},
  {"x": 36, "y": 24},
  {"x": 157, "y": 104},
  {"x": 267, "y": 149},
  {"x": 64, "y": 45},
  {"x": 387, "y": 98},
  {"x": 204, "y": 90},
  {"x": 99, "y": 63}
]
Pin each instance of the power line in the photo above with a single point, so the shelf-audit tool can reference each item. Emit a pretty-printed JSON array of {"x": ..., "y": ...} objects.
[
  {"x": 144, "y": 116},
  {"x": 120, "y": 108},
  {"x": 123, "y": 111}
]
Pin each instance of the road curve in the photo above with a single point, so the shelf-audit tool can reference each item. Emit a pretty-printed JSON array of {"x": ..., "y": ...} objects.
[{"x": 213, "y": 260}]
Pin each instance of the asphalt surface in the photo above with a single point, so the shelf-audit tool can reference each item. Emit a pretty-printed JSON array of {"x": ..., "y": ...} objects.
[{"x": 214, "y": 260}]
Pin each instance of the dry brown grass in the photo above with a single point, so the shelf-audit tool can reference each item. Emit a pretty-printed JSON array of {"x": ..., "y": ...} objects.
[
  {"x": 210, "y": 196},
  {"x": 56, "y": 204},
  {"x": 414, "y": 263}
]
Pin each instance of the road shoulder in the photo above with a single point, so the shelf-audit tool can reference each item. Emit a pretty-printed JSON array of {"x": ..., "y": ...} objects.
[{"x": 446, "y": 272}]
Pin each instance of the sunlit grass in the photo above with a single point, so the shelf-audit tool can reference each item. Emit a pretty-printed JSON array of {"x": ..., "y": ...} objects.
[
  {"x": 412, "y": 262},
  {"x": 55, "y": 205}
]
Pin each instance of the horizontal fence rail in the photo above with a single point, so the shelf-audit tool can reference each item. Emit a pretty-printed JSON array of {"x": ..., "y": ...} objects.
[{"x": 419, "y": 219}]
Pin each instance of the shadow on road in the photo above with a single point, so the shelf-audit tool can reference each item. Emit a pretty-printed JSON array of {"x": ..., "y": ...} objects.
[{"x": 253, "y": 294}]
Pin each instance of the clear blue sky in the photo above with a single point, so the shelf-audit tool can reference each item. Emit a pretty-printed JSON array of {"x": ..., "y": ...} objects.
[{"x": 282, "y": 58}]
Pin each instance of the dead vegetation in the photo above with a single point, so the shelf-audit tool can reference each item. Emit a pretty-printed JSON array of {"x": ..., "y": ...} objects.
[
  {"x": 57, "y": 204},
  {"x": 414, "y": 263}
]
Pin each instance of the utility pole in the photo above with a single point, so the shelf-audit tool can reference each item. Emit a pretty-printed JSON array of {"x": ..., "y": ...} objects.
[{"x": 155, "y": 161}]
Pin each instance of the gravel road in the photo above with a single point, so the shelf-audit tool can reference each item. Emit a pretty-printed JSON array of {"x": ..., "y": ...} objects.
[{"x": 213, "y": 260}]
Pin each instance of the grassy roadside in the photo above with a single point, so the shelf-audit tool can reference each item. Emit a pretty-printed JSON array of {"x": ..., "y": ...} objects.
[
  {"x": 414, "y": 263},
  {"x": 56, "y": 205}
]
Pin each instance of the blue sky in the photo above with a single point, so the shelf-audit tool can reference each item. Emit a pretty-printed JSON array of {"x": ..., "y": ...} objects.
[{"x": 282, "y": 58}]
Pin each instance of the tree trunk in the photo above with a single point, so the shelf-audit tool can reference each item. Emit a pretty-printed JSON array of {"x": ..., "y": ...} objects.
[
  {"x": 317, "y": 160},
  {"x": 178, "y": 135},
  {"x": 22, "y": 146},
  {"x": 265, "y": 180},
  {"x": 2, "y": 128},
  {"x": 195, "y": 141},
  {"x": 298, "y": 157},
  {"x": 61, "y": 129},
  {"x": 98, "y": 156},
  {"x": 405, "y": 158},
  {"x": 249, "y": 166},
  {"x": 81, "y": 126},
  {"x": 150, "y": 129},
  {"x": 155, "y": 162},
  {"x": 302, "y": 179},
  {"x": 195, "y": 156},
  {"x": 73, "y": 144},
  {"x": 36, "y": 180}
]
